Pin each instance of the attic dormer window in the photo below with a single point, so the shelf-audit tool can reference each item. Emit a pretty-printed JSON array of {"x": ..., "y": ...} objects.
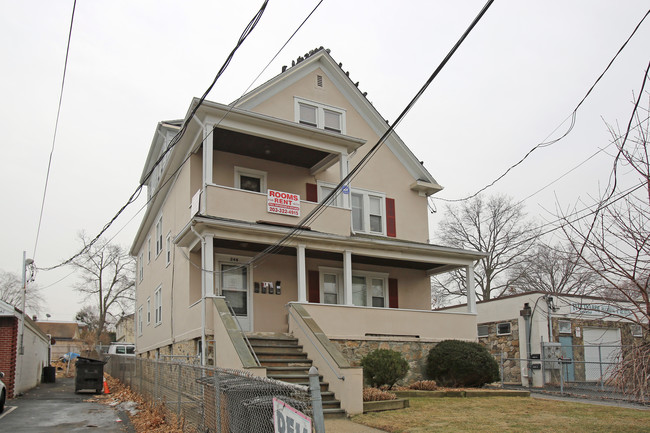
[{"x": 320, "y": 116}]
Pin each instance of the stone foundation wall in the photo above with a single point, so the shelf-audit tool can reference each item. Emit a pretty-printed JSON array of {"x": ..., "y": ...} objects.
[
  {"x": 186, "y": 348},
  {"x": 414, "y": 352},
  {"x": 508, "y": 345}
]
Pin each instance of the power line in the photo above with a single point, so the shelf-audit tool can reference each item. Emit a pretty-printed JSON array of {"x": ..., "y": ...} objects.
[
  {"x": 56, "y": 127},
  {"x": 247, "y": 31},
  {"x": 572, "y": 116},
  {"x": 317, "y": 211}
]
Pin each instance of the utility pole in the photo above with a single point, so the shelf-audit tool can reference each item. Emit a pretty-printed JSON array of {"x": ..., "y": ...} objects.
[{"x": 26, "y": 262}]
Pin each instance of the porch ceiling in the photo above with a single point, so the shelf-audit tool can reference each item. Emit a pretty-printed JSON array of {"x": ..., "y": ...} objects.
[
  {"x": 328, "y": 255},
  {"x": 267, "y": 149}
]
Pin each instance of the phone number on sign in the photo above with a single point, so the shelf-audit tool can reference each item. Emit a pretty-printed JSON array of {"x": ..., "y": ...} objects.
[{"x": 292, "y": 212}]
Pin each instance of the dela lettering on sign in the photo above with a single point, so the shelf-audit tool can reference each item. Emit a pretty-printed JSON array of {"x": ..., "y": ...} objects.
[{"x": 287, "y": 419}]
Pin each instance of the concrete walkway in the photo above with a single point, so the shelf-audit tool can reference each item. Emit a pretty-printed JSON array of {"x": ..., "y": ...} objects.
[{"x": 344, "y": 425}]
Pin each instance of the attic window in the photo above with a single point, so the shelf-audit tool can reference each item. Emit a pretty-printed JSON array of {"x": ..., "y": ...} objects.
[
  {"x": 319, "y": 80},
  {"x": 319, "y": 115}
]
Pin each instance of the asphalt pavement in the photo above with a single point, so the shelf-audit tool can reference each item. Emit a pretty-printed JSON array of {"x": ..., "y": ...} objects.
[{"x": 54, "y": 407}]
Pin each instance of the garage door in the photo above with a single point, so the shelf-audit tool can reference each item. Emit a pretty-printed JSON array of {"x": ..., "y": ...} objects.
[{"x": 601, "y": 346}]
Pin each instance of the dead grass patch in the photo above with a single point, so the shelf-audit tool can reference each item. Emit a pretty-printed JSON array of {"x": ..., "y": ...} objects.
[{"x": 506, "y": 414}]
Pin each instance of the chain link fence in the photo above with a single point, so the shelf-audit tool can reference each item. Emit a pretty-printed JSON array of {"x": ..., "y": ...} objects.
[
  {"x": 571, "y": 370},
  {"x": 209, "y": 399}
]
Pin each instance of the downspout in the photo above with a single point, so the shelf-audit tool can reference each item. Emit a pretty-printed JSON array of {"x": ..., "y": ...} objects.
[{"x": 202, "y": 298}]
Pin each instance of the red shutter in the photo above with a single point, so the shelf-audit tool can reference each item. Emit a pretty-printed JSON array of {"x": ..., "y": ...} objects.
[
  {"x": 391, "y": 230},
  {"x": 312, "y": 192},
  {"x": 392, "y": 293},
  {"x": 314, "y": 286}
]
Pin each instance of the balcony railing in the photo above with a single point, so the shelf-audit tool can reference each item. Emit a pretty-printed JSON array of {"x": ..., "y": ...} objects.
[{"x": 250, "y": 206}]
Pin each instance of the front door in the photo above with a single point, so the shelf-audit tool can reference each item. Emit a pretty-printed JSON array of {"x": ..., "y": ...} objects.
[
  {"x": 567, "y": 353},
  {"x": 234, "y": 287}
]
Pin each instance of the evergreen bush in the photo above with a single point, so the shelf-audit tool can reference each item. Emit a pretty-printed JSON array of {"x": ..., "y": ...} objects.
[
  {"x": 384, "y": 367},
  {"x": 455, "y": 363}
]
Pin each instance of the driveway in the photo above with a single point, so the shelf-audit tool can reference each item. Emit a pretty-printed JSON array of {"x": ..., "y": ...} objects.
[{"x": 54, "y": 407}]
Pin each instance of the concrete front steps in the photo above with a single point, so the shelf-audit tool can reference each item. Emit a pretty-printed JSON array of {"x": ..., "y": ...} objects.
[{"x": 285, "y": 361}]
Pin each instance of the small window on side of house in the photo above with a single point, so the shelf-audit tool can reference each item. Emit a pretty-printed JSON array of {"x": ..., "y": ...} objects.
[
  {"x": 564, "y": 327},
  {"x": 250, "y": 180},
  {"x": 637, "y": 330},
  {"x": 503, "y": 328},
  {"x": 483, "y": 330}
]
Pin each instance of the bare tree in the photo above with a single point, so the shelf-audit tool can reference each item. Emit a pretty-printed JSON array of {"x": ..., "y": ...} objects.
[
  {"x": 107, "y": 280},
  {"x": 11, "y": 291},
  {"x": 614, "y": 243},
  {"x": 495, "y": 225},
  {"x": 553, "y": 269}
]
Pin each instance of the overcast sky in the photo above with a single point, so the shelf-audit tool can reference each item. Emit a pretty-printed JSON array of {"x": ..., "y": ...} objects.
[{"x": 517, "y": 77}]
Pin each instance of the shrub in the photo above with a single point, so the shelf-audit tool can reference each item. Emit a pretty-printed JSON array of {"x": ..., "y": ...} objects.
[
  {"x": 455, "y": 363},
  {"x": 384, "y": 367},
  {"x": 424, "y": 385},
  {"x": 374, "y": 394}
]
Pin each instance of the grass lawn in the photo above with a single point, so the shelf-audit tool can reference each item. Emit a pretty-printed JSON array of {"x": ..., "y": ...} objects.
[{"x": 506, "y": 414}]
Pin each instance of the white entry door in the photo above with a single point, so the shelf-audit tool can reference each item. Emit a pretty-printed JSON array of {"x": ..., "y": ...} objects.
[
  {"x": 601, "y": 345},
  {"x": 235, "y": 288}
]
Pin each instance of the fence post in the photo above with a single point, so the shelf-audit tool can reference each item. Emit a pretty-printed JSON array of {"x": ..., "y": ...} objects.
[
  {"x": 155, "y": 378},
  {"x": 600, "y": 365},
  {"x": 180, "y": 395},
  {"x": 217, "y": 395},
  {"x": 561, "y": 376},
  {"x": 316, "y": 400}
]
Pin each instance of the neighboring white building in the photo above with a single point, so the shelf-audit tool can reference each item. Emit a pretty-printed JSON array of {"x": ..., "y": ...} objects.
[
  {"x": 23, "y": 371},
  {"x": 585, "y": 330}
]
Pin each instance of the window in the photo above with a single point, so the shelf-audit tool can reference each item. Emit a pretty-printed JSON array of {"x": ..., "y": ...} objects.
[
  {"x": 159, "y": 236},
  {"x": 250, "y": 180},
  {"x": 330, "y": 289},
  {"x": 637, "y": 330},
  {"x": 320, "y": 115},
  {"x": 368, "y": 288},
  {"x": 157, "y": 299},
  {"x": 141, "y": 267},
  {"x": 368, "y": 210},
  {"x": 148, "y": 310},
  {"x": 324, "y": 189},
  {"x": 482, "y": 330},
  {"x": 168, "y": 249},
  {"x": 564, "y": 327},
  {"x": 148, "y": 249},
  {"x": 503, "y": 328},
  {"x": 140, "y": 320}
]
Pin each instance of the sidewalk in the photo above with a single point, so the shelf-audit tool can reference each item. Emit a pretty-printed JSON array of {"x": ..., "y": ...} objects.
[
  {"x": 54, "y": 407},
  {"x": 344, "y": 425}
]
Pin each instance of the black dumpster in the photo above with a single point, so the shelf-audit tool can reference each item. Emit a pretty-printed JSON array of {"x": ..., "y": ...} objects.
[
  {"x": 90, "y": 375},
  {"x": 49, "y": 374}
]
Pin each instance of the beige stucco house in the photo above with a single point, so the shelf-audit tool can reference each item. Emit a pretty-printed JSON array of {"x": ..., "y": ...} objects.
[{"x": 224, "y": 250}]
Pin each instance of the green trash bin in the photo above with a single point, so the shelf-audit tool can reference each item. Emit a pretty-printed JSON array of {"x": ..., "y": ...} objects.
[{"x": 90, "y": 375}]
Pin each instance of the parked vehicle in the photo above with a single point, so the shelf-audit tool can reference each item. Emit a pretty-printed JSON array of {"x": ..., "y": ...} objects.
[
  {"x": 3, "y": 393},
  {"x": 126, "y": 349}
]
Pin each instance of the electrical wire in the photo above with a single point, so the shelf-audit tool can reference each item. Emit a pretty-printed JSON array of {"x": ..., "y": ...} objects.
[
  {"x": 572, "y": 116},
  {"x": 56, "y": 128},
  {"x": 247, "y": 31}
]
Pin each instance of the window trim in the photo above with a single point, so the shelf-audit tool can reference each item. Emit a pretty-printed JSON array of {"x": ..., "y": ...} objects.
[
  {"x": 149, "y": 249},
  {"x": 141, "y": 267},
  {"x": 487, "y": 331},
  {"x": 157, "y": 299},
  {"x": 504, "y": 333},
  {"x": 338, "y": 200},
  {"x": 148, "y": 310},
  {"x": 368, "y": 275},
  {"x": 636, "y": 330},
  {"x": 250, "y": 172},
  {"x": 140, "y": 321},
  {"x": 159, "y": 232},
  {"x": 564, "y": 323},
  {"x": 366, "y": 194},
  {"x": 320, "y": 114},
  {"x": 168, "y": 247}
]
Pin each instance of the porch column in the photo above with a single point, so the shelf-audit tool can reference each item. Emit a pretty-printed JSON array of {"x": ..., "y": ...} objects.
[
  {"x": 208, "y": 155},
  {"x": 302, "y": 279},
  {"x": 471, "y": 292},
  {"x": 347, "y": 277},
  {"x": 207, "y": 265},
  {"x": 344, "y": 166}
]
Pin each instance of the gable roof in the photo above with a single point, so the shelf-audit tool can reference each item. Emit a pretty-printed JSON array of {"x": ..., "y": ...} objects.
[
  {"x": 60, "y": 330},
  {"x": 321, "y": 58}
]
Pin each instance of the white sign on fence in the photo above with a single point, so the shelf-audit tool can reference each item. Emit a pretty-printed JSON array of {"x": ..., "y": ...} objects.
[
  {"x": 287, "y": 419},
  {"x": 284, "y": 203}
]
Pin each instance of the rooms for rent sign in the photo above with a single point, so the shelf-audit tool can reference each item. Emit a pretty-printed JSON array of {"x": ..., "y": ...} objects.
[{"x": 283, "y": 203}]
